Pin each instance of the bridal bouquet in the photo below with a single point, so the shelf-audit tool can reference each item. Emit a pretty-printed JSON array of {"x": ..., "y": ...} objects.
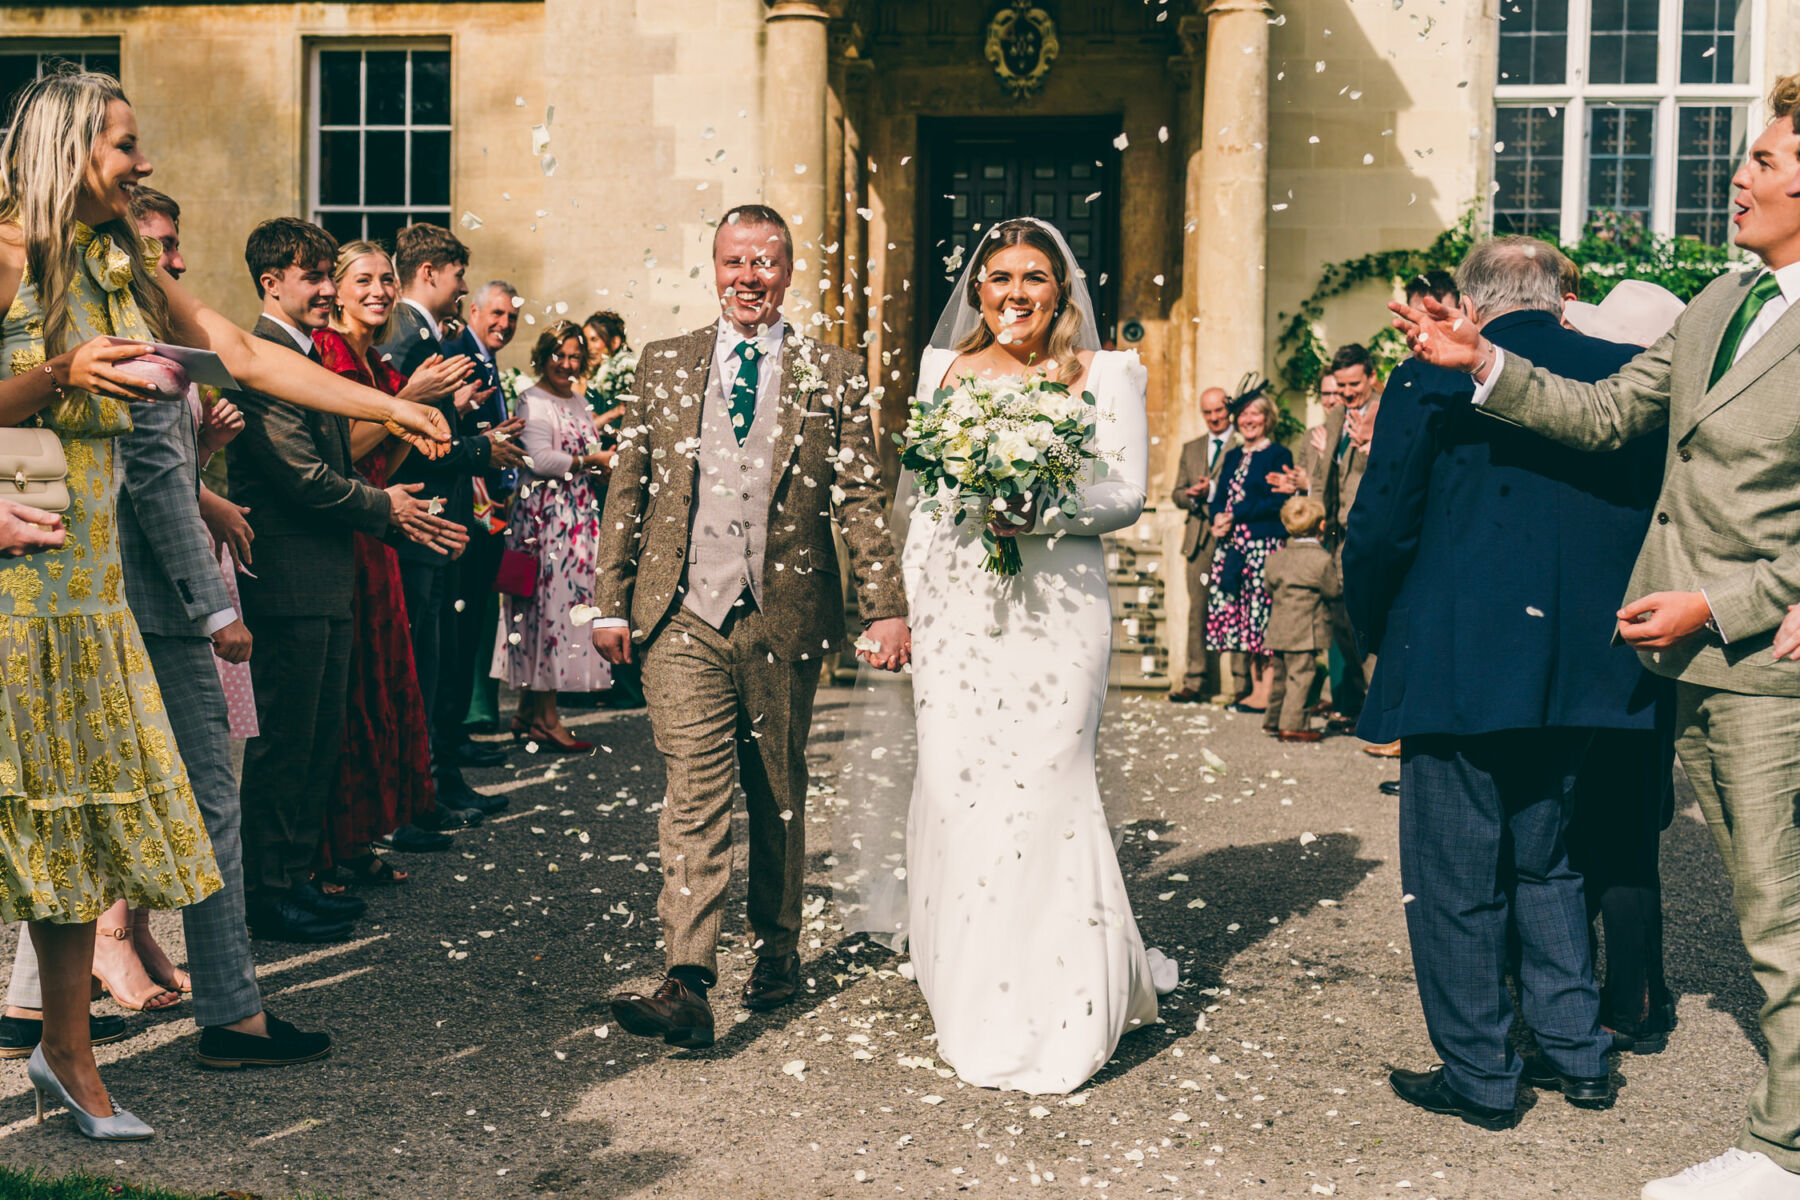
[{"x": 997, "y": 442}]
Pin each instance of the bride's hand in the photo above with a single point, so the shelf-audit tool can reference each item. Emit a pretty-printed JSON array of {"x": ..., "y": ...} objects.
[
  {"x": 886, "y": 644},
  {"x": 1022, "y": 506}
]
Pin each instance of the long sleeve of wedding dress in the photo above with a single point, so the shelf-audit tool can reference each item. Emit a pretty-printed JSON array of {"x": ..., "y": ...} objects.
[{"x": 1022, "y": 934}]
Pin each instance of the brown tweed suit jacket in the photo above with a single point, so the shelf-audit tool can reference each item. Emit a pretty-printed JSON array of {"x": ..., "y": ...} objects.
[{"x": 825, "y": 468}]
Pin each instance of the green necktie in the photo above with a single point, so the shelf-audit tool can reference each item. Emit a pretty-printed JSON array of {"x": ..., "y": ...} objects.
[
  {"x": 743, "y": 392},
  {"x": 1761, "y": 292}
]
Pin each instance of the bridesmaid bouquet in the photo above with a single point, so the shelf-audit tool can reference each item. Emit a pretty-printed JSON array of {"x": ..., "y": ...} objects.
[{"x": 995, "y": 442}]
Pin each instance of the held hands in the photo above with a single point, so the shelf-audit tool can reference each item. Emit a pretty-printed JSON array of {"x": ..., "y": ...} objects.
[
  {"x": 413, "y": 517},
  {"x": 1015, "y": 506},
  {"x": 436, "y": 378},
  {"x": 614, "y": 643},
  {"x": 1663, "y": 619},
  {"x": 223, "y": 423},
  {"x": 24, "y": 529},
  {"x": 422, "y": 428},
  {"x": 232, "y": 643},
  {"x": 225, "y": 521},
  {"x": 886, "y": 644},
  {"x": 471, "y": 396},
  {"x": 1443, "y": 337}
]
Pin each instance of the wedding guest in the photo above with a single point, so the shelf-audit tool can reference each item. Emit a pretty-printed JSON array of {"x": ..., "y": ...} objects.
[
  {"x": 493, "y": 319},
  {"x": 1195, "y": 482},
  {"x": 293, "y": 472},
  {"x": 188, "y": 616},
  {"x": 1484, "y": 563},
  {"x": 556, "y": 526},
  {"x": 612, "y": 373},
  {"x": 1303, "y": 581},
  {"x": 1247, "y": 525},
  {"x": 384, "y": 766},
  {"x": 431, "y": 263},
  {"x": 1437, "y": 283},
  {"x": 127, "y": 820}
]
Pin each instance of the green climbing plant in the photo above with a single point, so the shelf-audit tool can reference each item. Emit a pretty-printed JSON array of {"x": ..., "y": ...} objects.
[{"x": 1615, "y": 247}]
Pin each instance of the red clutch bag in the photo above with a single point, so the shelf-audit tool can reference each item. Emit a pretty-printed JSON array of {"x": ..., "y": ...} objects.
[{"x": 518, "y": 574}]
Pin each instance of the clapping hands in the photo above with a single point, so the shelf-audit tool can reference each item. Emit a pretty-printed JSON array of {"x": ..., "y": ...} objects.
[
  {"x": 223, "y": 423},
  {"x": 1443, "y": 337}
]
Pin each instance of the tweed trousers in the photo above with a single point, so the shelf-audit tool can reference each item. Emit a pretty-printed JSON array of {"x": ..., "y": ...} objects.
[
  {"x": 1290, "y": 692},
  {"x": 715, "y": 698},
  {"x": 1482, "y": 854},
  {"x": 1742, "y": 754},
  {"x": 218, "y": 944},
  {"x": 1205, "y": 668}
]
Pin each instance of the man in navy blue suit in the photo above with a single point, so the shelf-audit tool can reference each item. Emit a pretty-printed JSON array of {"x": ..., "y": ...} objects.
[{"x": 1484, "y": 565}]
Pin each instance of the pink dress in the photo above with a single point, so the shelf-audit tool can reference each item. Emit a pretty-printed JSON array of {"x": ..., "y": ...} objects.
[{"x": 240, "y": 700}]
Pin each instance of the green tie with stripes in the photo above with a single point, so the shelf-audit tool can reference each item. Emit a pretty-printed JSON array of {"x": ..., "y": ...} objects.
[
  {"x": 1761, "y": 292},
  {"x": 743, "y": 392}
]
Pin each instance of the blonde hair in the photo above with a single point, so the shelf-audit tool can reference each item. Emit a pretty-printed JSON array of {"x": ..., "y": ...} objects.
[
  {"x": 1302, "y": 516},
  {"x": 43, "y": 166},
  {"x": 1065, "y": 328},
  {"x": 347, "y": 255},
  {"x": 1784, "y": 99},
  {"x": 1262, "y": 403}
]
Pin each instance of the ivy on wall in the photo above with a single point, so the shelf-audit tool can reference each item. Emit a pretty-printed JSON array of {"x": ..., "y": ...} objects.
[{"x": 1615, "y": 247}]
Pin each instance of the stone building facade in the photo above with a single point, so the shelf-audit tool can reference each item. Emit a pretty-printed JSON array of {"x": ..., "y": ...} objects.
[{"x": 1206, "y": 157}]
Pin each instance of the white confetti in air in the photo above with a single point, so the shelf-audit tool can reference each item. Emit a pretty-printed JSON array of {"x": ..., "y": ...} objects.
[
  {"x": 1120, "y": 142},
  {"x": 549, "y": 164},
  {"x": 540, "y": 140},
  {"x": 1532, "y": 611},
  {"x": 470, "y": 221}
]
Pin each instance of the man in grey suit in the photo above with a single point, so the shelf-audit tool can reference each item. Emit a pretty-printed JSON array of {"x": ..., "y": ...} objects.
[
  {"x": 185, "y": 613},
  {"x": 1714, "y": 580},
  {"x": 1195, "y": 483}
]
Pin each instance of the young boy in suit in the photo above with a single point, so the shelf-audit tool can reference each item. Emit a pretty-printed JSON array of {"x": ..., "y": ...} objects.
[{"x": 1303, "y": 581}]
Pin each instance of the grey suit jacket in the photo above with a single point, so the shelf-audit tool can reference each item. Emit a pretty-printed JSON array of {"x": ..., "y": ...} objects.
[
  {"x": 1728, "y": 518},
  {"x": 291, "y": 468},
  {"x": 172, "y": 579},
  {"x": 1196, "y": 536},
  {"x": 1334, "y": 480}
]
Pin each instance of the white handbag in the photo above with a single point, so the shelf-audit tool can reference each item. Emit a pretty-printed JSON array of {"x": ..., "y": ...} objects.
[{"x": 33, "y": 469}]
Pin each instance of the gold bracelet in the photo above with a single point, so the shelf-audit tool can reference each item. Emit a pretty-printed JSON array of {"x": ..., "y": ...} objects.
[{"x": 55, "y": 387}]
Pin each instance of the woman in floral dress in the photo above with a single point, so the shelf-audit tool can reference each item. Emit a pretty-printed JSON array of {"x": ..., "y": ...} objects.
[
  {"x": 1248, "y": 526},
  {"x": 555, "y": 519}
]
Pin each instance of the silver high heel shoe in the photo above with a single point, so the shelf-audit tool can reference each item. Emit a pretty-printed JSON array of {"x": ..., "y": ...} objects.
[{"x": 120, "y": 1127}]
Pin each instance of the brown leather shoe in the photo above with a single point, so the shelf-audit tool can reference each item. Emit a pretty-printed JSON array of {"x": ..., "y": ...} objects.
[
  {"x": 674, "y": 1012},
  {"x": 1391, "y": 750},
  {"x": 1186, "y": 696},
  {"x": 1301, "y": 735},
  {"x": 772, "y": 983}
]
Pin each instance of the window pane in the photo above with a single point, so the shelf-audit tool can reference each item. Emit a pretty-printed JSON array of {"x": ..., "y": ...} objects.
[
  {"x": 1534, "y": 41},
  {"x": 340, "y": 84},
  {"x": 340, "y": 167},
  {"x": 105, "y": 64},
  {"x": 343, "y": 226},
  {"x": 430, "y": 168},
  {"x": 384, "y": 225},
  {"x": 993, "y": 205},
  {"x": 384, "y": 180},
  {"x": 431, "y": 87},
  {"x": 1044, "y": 171},
  {"x": 1712, "y": 33},
  {"x": 1528, "y": 170},
  {"x": 1709, "y": 145},
  {"x": 1043, "y": 206},
  {"x": 387, "y": 87},
  {"x": 1622, "y": 41},
  {"x": 16, "y": 70},
  {"x": 1621, "y": 142}
]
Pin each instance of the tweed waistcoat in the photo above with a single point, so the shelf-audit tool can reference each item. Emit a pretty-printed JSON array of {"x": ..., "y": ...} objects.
[{"x": 731, "y": 502}]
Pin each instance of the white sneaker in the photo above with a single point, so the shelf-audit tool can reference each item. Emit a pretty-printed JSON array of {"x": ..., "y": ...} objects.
[{"x": 1734, "y": 1175}]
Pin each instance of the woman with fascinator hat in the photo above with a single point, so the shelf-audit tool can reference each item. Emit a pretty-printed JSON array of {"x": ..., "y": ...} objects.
[{"x": 1021, "y": 931}]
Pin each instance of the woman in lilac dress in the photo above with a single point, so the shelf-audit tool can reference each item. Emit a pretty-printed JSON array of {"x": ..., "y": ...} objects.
[
  {"x": 1248, "y": 525},
  {"x": 556, "y": 521}
]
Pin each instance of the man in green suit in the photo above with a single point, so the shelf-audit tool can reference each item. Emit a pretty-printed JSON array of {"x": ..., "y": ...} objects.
[{"x": 1713, "y": 582}]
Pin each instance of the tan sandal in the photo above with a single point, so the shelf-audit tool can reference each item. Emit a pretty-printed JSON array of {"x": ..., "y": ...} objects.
[{"x": 125, "y": 993}]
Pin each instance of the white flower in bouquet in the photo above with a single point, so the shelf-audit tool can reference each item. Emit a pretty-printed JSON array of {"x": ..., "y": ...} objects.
[{"x": 999, "y": 443}]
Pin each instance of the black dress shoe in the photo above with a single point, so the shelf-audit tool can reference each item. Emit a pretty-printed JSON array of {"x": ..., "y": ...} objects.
[
  {"x": 459, "y": 795},
  {"x": 227, "y": 1050},
  {"x": 445, "y": 817},
  {"x": 1430, "y": 1091},
  {"x": 473, "y": 754},
  {"x": 1577, "y": 1089},
  {"x": 19, "y": 1036},
  {"x": 410, "y": 839},
  {"x": 279, "y": 919},
  {"x": 772, "y": 983},
  {"x": 1390, "y": 787},
  {"x": 307, "y": 895},
  {"x": 674, "y": 1012}
]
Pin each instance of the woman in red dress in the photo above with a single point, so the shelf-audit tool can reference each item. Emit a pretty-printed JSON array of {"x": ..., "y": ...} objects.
[{"x": 384, "y": 772}]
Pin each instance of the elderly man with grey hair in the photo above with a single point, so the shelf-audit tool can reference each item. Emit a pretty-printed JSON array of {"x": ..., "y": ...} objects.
[{"x": 1483, "y": 564}]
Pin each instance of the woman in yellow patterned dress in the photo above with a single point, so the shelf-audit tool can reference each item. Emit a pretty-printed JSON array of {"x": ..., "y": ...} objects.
[{"x": 95, "y": 805}]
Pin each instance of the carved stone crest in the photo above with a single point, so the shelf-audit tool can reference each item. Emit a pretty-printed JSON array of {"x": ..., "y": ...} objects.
[{"x": 1021, "y": 43}]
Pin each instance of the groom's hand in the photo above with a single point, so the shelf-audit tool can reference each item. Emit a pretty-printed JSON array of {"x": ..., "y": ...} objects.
[
  {"x": 893, "y": 644},
  {"x": 614, "y": 643}
]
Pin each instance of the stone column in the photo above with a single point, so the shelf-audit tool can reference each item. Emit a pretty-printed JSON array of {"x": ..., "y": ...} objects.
[
  {"x": 795, "y": 84},
  {"x": 1229, "y": 202}
]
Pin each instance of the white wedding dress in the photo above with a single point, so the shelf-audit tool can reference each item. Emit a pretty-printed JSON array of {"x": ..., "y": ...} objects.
[{"x": 1021, "y": 931}]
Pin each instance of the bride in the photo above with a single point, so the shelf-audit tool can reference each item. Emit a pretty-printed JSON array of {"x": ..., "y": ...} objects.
[{"x": 1022, "y": 935}]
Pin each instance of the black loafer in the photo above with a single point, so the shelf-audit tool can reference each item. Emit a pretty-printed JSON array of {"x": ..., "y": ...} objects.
[
  {"x": 1577, "y": 1089},
  {"x": 19, "y": 1036},
  {"x": 473, "y": 754},
  {"x": 773, "y": 982},
  {"x": 307, "y": 895},
  {"x": 445, "y": 817},
  {"x": 410, "y": 839},
  {"x": 483, "y": 805},
  {"x": 1430, "y": 1091},
  {"x": 224, "y": 1049},
  {"x": 1390, "y": 787},
  {"x": 279, "y": 919}
]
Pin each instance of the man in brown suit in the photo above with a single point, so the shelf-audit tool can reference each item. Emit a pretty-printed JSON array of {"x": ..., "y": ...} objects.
[
  {"x": 718, "y": 571},
  {"x": 1195, "y": 482}
]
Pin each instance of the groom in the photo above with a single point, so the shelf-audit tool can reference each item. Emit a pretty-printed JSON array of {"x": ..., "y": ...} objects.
[{"x": 717, "y": 571}]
